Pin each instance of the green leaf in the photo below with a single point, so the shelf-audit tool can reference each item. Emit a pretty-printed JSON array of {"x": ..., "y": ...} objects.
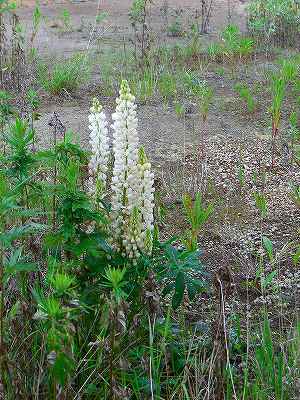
[
  {"x": 179, "y": 290},
  {"x": 62, "y": 367},
  {"x": 296, "y": 256},
  {"x": 195, "y": 286},
  {"x": 20, "y": 231},
  {"x": 269, "y": 278},
  {"x": 268, "y": 245},
  {"x": 20, "y": 267},
  {"x": 168, "y": 289}
]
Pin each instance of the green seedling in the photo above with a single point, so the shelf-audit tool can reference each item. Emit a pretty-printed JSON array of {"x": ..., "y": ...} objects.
[
  {"x": 261, "y": 203},
  {"x": 65, "y": 18},
  {"x": 205, "y": 96},
  {"x": 179, "y": 109},
  {"x": 197, "y": 216},
  {"x": 245, "y": 94}
]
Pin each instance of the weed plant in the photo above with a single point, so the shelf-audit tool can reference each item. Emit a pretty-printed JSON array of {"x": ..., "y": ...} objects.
[{"x": 64, "y": 76}]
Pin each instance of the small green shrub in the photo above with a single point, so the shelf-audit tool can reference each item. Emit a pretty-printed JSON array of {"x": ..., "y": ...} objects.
[
  {"x": 274, "y": 21},
  {"x": 235, "y": 44},
  {"x": 232, "y": 45},
  {"x": 64, "y": 76},
  {"x": 179, "y": 110}
]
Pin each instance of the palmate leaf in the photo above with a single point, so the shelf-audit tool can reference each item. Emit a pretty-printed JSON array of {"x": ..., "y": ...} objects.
[
  {"x": 177, "y": 269},
  {"x": 195, "y": 286},
  {"x": 20, "y": 136},
  {"x": 18, "y": 232},
  {"x": 26, "y": 213},
  {"x": 19, "y": 267},
  {"x": 102, "y": 242},
  {"x": 66, "y": 150},
  {"x": 93, "y": 245},
  {"x": 7, "y": 204},
  {"x": 53, "y": 240},
  {"x": 95, "y": 265},
  {"x": 85, "y": 245},
  {"x": 172, "y": 253},
  {"x": 16, "y": 264}
]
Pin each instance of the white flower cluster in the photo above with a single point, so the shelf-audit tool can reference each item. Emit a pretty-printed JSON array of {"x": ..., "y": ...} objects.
[
  {"x": 132, "y": 184},
  {"x": 99, "y": 142}
]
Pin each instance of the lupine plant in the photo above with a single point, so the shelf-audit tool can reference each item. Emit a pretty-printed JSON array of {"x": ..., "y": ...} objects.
[{"x": 97, "y": 272}]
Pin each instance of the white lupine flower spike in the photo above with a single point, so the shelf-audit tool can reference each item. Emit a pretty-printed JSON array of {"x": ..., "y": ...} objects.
[
  {"x": 99, "y": 142},
  {"x": 132, "y": 183}
]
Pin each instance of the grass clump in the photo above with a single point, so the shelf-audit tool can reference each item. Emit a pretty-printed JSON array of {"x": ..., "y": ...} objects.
[{"x": 66, "y": 75}]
